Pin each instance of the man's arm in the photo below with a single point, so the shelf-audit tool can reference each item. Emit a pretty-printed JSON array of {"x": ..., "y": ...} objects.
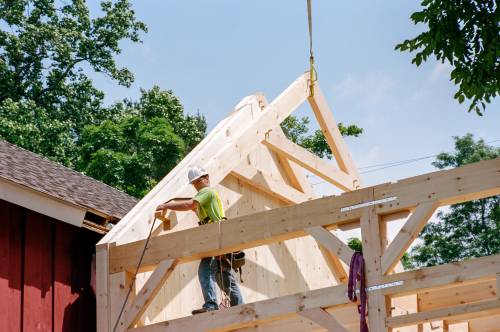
[{"x": 179, "y": 205}]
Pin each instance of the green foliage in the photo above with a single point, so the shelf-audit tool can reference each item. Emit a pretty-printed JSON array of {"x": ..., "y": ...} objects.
[
  {"x": 355, "y": 244},
  {"x": 143, "y": 141},
  {"x": 45, "y": 48},
  {"x": 130, "y": 154},
  {"x": 157, "y": 103},
  {"x": 297, "y": 130},
  {"x": 466, "y": 34},
  {"x": 470, "y": 229}
]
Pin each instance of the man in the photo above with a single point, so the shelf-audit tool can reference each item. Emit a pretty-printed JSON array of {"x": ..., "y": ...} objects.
[{"x": 208, "y": 207}]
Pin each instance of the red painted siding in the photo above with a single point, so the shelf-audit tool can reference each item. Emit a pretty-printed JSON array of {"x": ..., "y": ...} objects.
[{"x": 45, "y": 268}]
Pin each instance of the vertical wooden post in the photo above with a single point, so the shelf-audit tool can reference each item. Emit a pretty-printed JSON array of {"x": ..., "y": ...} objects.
[
  {"x": 102, "y": 288},
  {"x": 119, "y": 284},
  {"x": 372, "y": 253}
]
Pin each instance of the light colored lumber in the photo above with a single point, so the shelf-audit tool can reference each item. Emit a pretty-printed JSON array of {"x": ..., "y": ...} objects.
[
  {"x": 145, "y": 296},
  {"x": 335, "y": 265},
  {"x": 289, "y": 222},
  {"x": 267, "y": 184},
  {"x": 220, "y": 154},
  {"x": 254, "y": 313},
  {"x": 102, "y": 289},
  {"x": 332, "y": 243},
  {"x": 498, "y": 284},
  {"x": 332, "y": 134},
  {"x": 119, "y": 284},
  {"x": 372, "y": 252},
  {"x": 457, "y": 313},
  {"x": 447, "y": 275},
  {"x": 281, "y": 145},
  {"x": 450, "y": 296},
  {"x": 408, "y": 233},
  {"x": 323, "y": 319}
]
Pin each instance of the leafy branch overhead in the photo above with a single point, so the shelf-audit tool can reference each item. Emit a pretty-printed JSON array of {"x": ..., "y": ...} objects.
[
  {"x": 297, "y": 130},
  {"x": 466, "y": 34}
]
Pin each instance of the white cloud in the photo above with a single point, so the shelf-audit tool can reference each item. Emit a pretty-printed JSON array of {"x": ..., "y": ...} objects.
[{"x": 440, "y": 70}]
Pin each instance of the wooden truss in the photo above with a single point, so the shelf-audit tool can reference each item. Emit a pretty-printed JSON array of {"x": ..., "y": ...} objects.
[{"x": 237, "y": 155}]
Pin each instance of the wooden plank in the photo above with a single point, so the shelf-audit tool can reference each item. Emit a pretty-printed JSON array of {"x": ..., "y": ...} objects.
[
  {"x": 336, "y": 268},
  {"x": 254, "y": 313},
  {"x": 147, "y": 293},
  {"x": 281, "y": 145},
  {"x": 289, "y": 222},
  {"x": 457, "y": 313},
  {"x": 221, "y": 153},
  {"x": 372, "y": 252},
  {"x": 261, "y": 181},
  {"x": 241, "y": 232},
  {"x": 408, "y": 233},
  {"x": 447, "y": 275},
  {"x": 11, "y": 265},
  {"x": 119, "y": 285},
  {"x": 37, "y": 293},
  {"x": 498, "y": 285},
  {"x": 332, "y": 134},
  {"x": 102, "y": 288},
  {"x": 438, "y": 298},
  {"x": 323, "y": 319},
  {"x": 332, "y": 243},
  {"x": 461, "y": 184}
]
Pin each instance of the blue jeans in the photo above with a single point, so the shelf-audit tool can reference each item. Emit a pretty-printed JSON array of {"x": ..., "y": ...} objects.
[{"x": 209, "y": 273}]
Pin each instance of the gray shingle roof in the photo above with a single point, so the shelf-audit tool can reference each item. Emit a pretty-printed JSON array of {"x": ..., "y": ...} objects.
[{"x": 38, "y": 173}]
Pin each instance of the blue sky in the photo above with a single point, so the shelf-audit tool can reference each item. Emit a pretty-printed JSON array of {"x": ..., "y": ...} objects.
[{"x": 214, "y": 53}]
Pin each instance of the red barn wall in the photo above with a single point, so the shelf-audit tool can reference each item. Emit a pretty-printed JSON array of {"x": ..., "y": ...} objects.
[{"x": 45, "y": 273}]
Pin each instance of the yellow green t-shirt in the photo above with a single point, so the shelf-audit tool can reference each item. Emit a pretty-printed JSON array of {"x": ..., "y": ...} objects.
[{"x": 209, "y": 205}]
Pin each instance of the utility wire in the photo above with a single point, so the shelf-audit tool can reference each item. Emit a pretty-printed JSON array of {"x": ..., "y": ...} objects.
[{"x": 378, "y": 167}]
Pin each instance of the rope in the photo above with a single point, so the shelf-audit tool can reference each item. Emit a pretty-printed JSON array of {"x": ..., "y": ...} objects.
[
  {"x": 312, "y": 70},
  {"x": 135, "y": 275}
]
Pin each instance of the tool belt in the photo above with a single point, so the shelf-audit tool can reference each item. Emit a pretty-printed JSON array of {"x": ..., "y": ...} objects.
[{"x": 233, "y": 260}]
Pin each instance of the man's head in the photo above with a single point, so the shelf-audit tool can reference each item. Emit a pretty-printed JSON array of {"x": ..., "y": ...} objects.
[{"x": 198, "y": 177}]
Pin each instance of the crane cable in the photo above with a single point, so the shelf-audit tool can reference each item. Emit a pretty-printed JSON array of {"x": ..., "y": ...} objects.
[{"x": 312, "y": 70}]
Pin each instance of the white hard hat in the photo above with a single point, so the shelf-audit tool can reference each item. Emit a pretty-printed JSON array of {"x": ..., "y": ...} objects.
[{"x": 196, "y": 172}]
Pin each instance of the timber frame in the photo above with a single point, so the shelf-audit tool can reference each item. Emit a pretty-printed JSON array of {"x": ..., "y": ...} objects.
[{"x": 462, "y": 295}]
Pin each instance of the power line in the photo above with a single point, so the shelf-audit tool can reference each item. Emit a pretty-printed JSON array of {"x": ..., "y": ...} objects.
[{"x": 378, "y": 167}]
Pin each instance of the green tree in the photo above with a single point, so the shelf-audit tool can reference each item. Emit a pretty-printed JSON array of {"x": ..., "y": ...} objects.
[
  {"x": 297, "y": 130},
  {"x": 130, "y": 154},
  {"x": 46, "y": 47},
  {"x": 466, "y": 34},
  {"x": 144, "y": 141},
  {"x": 470, "y": 229},
  {"x": 157, "y": 103}
]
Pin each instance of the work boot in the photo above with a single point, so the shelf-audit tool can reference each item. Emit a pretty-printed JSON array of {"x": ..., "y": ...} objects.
[{"x": 200, "y": 311}]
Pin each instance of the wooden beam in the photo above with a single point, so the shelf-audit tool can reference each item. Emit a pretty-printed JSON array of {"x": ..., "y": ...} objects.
[
  {"x": 447, "y": 275},
  {"x": 372, "y": 253},
  {"x": 102, "y": 289},
  {"x": 323, "y": 319},
  {"x": 146, "y": 295},
  {"x": 408, "y": 233},
  {"x": 457, "y": 313},
  {"x": 332, "y": 243},
  {"x": 332, "y": 134},
  {"x": 335, "y": 265},
  {"x": 254, "y": 313},
  {"x": 119, "y": 284},
  {"x": 281, "y": 145},
  {"x": 498, "y": 284},
  {"x": 267, "y": 184},
  {"x": 289, "y": 222}
]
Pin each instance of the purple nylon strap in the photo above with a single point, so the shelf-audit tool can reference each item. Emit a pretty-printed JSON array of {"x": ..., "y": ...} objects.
[{"x": 357, "y": 273}]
